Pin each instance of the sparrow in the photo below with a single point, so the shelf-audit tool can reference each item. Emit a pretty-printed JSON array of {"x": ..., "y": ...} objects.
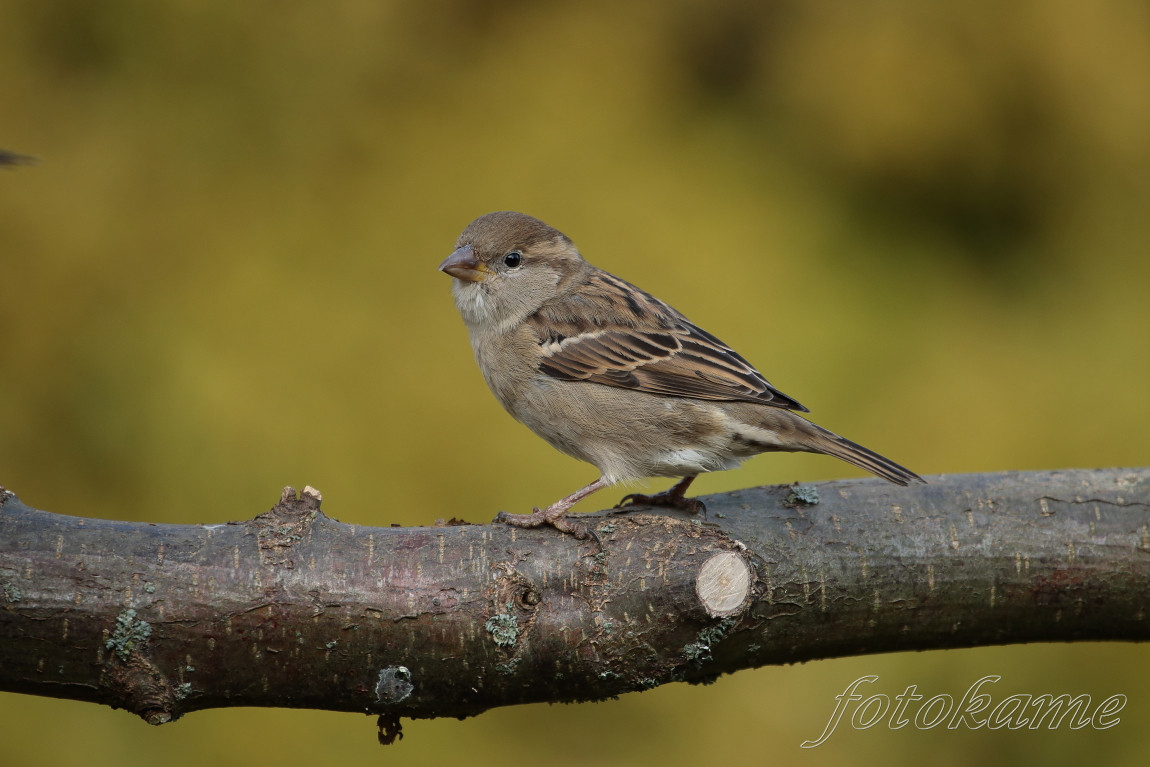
[{"x": 609, "y": 374}]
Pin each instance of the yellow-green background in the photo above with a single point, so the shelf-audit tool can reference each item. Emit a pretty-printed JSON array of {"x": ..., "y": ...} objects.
[{"x": 928, "y": 221}]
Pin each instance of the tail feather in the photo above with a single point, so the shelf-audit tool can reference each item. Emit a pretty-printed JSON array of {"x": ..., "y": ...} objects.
[{"x": 851, "y": 452}]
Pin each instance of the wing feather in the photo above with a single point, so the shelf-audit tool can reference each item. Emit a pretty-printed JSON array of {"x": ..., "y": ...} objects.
[{"x": 609, "y": 332}]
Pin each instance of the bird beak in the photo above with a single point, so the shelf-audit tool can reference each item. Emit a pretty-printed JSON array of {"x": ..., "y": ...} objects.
[{"x": 463, "y": 265}]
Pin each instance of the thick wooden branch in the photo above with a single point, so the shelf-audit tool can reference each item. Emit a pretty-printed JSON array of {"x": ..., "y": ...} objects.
[{"x": 295, "y": 609}]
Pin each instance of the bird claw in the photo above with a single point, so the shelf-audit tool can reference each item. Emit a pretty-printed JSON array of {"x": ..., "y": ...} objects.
[
  {"x": 557, "y": 518},
  {"x": 667, "y": 499}
]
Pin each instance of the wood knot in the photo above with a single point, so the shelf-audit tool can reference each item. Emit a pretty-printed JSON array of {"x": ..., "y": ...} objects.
[
  {"x": 140, "y": 687},
  {"x": 286, "y": 524}
]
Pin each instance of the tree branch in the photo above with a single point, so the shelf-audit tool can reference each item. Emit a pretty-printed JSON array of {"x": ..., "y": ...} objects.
[{"x": 296, "y": 609}]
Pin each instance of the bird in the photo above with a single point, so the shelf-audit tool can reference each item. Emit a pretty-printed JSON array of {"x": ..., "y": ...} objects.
[{"x": 609, "y": 374}]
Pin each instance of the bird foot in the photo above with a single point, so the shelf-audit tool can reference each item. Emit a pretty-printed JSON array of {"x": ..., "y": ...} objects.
[
  {"x": 667, "y": 499},
  {"x": 557, "y": 518}
]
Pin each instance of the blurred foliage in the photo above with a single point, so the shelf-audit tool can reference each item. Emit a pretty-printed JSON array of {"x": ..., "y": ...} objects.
[{"x": 926, "y": 221}]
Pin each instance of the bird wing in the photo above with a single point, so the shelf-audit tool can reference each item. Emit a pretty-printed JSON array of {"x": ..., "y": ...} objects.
[{"x": 609, "y": 332}]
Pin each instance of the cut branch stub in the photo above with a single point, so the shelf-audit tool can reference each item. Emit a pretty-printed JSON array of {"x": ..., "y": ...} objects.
[{"x": 723, "y": 584}]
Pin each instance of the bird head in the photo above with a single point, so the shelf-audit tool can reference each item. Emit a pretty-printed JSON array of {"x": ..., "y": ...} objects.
[{"x": 506, "y": 265}]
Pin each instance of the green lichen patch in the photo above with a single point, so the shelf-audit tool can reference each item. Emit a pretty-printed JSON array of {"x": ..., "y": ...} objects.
[
  {"x": 130, "y": 636},
  {"x": 503, "y": 628},
  {"x": 507, "y": 668},
  {"x": 699, "y": 651},
  {"x": 802, "y": 496}
]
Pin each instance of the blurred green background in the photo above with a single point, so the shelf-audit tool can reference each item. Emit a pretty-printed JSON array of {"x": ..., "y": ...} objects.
[{"x": 929, "y": 222}]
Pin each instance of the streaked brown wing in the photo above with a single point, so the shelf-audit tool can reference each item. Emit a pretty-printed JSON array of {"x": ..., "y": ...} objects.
[{"x": 609, "y": 332}]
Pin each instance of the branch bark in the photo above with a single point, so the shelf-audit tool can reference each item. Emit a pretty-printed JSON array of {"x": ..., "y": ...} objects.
[{"x": 295, "y": 609}]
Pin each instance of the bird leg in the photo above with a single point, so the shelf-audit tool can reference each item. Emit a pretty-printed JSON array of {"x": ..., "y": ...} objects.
[
  {"x": 555, "y": 514},
  {"x": 674, "y": 498}
]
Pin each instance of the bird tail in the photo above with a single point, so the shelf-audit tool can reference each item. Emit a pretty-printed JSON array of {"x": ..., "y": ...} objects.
[{"x": 832, "y": 444}]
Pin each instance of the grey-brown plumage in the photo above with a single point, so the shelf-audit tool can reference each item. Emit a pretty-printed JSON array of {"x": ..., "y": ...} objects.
[{"x": 611, "y": 375}]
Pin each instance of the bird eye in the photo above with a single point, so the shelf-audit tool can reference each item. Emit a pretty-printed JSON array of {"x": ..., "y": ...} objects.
[{"x": 513, "y": 259}]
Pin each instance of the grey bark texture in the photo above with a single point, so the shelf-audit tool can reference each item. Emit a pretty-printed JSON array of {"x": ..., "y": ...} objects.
[{"x": 293, "y": 608}]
